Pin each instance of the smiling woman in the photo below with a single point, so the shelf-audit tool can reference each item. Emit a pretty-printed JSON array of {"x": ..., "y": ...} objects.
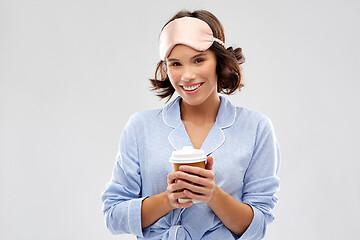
[
  {"x": 237, "y": 187},
  {"x": 228, "y": 59},
  {"x": 193, "y": 75}
]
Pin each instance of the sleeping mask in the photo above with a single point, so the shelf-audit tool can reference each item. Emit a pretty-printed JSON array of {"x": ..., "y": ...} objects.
[{"x": 188, "y": 31}]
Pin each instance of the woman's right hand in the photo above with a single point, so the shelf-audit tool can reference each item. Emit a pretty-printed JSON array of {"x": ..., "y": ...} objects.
[{"x": 173, "y": 193}]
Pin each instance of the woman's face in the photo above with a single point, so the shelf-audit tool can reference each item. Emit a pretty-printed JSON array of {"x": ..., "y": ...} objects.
[{"x": 193, "y": 74}]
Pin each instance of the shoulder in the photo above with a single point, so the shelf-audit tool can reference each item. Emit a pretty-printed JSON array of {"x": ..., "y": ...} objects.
[
  {"x": 259, "y": 122},
  {"x": 251, "y": 119},
  {"x": 240, "y": 116},
  {"x": 144, "y": 117},
  {"x": 251, "y": 115},
  {"x": 139, "y": 122},
  {"x": 166, "y": 115}
]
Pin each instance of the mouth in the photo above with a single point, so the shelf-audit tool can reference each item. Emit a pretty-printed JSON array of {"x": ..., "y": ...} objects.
[{"x": 191, "y": 88}]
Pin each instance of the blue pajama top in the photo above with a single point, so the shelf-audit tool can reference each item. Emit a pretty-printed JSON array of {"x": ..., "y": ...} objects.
[{"x": 246, "y": 161}]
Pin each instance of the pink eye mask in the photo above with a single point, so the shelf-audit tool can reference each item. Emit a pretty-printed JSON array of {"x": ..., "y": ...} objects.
[{"x": 188, "y": 31}]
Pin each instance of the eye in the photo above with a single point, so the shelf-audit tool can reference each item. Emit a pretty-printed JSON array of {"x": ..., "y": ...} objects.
[
  {"x": 175, "y": 64},
  {"x": 198, "y": 60}
]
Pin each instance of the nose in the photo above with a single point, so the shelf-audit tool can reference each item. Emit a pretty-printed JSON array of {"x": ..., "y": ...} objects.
[{"x": 188, "y": 74}]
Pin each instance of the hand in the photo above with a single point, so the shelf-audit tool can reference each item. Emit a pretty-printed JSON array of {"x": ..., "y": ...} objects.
[
  {"x": 198, "y": 183},
  {"x": 174, "y": 194}
]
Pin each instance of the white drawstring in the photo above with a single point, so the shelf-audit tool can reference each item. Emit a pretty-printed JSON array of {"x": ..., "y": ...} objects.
[{"x": 182, "y": 210}]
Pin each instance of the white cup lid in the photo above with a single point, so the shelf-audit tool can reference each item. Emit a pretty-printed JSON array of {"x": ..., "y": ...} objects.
[{"x": 188, "y": 155}]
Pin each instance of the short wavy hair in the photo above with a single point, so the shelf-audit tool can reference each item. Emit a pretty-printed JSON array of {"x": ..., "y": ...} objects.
[{"x": 228, "y": 60}]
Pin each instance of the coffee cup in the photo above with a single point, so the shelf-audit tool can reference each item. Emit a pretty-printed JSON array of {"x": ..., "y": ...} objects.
[{"x": 191, "y": 157}]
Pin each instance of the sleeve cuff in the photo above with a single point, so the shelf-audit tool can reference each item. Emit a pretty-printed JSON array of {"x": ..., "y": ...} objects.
[
  {"x": 256, "y": 229},
  {"x": 134, "y": 215}
]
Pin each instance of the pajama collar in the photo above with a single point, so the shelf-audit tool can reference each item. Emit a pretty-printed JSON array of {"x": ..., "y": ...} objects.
[{"x": 216, "y": 137}]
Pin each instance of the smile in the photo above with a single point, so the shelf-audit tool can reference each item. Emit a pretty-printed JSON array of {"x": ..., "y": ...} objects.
[{"x": 191, "y": 88}]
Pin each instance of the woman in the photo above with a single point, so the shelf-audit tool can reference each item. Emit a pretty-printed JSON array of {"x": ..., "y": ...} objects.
[{"x": 237, "y": 188}]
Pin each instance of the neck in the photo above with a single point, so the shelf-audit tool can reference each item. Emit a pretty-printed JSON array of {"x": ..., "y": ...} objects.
[{"x": 200, "y": 114}]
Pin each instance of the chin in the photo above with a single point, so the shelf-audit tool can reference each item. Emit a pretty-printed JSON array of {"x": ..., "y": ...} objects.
[{"x": 193, "y": 102}]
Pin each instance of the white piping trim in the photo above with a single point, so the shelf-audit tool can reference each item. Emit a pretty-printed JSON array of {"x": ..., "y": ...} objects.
[
  {"x": 163, "y": 117},
  {"x": 170, "y": 140},
  {"x": 129, "y": 216},
  {"x": 222, "y": 142},
  {"x": 222, "y": 131},
  {"x": 256, "y": 233},
  {"x": 232, "y": 121}
]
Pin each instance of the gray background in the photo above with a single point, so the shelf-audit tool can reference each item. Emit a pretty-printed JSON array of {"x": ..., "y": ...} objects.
[{"x": 72, "y": 72}]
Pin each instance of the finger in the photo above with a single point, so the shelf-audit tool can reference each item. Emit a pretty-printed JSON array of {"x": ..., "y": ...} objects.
[
  {"x": 171, "y": 178},
  {"x": 190, "y": 178},
  {"x": 193, "y": 188},
  {"x": 210, "y": 162},
  {"x": 195, "y": 174},
  {"x": 174, "y": 187},
  {"x": 177, "y": 195},
  {"x": 174, "y": 200},
  {"x": 177, "y": 187},
  {"x": 195, "y": 196},
  {"x": 193, "y": 170}
]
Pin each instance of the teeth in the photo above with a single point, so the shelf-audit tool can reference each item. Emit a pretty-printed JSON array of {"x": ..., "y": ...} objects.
[{"x": 191, "y": 88}]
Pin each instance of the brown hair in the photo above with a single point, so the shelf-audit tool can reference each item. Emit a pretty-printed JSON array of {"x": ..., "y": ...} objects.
[{"x": 228, "y": 60}]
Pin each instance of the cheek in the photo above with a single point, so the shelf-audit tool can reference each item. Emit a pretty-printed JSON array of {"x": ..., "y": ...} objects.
[
  {"x": 172, "y": 76},
  {"x": 210, "y": 72}
]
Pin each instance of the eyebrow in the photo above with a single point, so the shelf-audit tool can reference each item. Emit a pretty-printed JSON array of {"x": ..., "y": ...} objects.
[
  {"x": 199, "y": 55},
  {"x": 195, "y": 56}
]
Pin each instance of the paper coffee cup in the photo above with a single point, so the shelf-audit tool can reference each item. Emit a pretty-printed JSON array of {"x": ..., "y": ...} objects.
[{"x": 191, "y": 157}]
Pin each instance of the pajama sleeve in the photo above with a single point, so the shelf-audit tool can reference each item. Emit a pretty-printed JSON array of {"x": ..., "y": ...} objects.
[
  {"x": 261, "y": 181},
  {"x": 122, "y": 199}
]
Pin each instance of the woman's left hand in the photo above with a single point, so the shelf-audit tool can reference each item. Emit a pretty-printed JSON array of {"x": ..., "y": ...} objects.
[{"x": 198, "y": 183}]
